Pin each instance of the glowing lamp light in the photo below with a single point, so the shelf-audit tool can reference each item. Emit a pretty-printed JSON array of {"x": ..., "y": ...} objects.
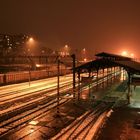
[
  {"x": 84, "y": 49},
  {"x": 66, "y": 46},
  {"x": 31, "y": 39},
  {"x": 124, "y": 53},
  {"x": 85, "y": 60},
  {"x": 37, "y": 65},
  {"x": 132, "y": 55}
]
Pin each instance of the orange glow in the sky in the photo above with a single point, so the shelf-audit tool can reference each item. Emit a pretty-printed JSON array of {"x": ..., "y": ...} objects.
[{"x": 127, "y": 54}]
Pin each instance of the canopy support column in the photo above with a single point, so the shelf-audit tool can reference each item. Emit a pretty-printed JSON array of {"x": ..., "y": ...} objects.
[
  {"x": 107, "y": 77},
  {"x": 111, "y": 76},
  {"x": 129, "y": 81},
  {"x": 97, "y": 79},
  {"x": 103, "y": 78}
]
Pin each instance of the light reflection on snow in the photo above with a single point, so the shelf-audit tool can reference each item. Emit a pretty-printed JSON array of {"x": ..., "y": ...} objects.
[
  {"x": 31, "y": 130},
  {"x": 33, "y": 122}
]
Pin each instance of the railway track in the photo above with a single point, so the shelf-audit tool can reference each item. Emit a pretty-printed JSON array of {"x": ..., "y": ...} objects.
[
  {"x": 81, "y": 127},
  {"x": 25, "y": 108},
  {"x": 28, "y": 95},
  {"x": 17, "y": 120},
  {"x": 26, "y": 92},
  {"x": 29, "y": 104},
  {"x": 18, "y": 91},
  {"x": 18, "y": 105}
]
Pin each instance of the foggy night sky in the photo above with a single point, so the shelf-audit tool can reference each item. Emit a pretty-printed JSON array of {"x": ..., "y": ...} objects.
[{"x": 97, "y": 25}]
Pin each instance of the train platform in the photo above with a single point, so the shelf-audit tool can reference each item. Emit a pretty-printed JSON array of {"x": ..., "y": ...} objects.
[{"x": 124, "y": 122}]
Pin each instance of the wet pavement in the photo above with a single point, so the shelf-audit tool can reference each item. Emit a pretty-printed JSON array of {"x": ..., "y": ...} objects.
[{"x": 121, "y": 124}]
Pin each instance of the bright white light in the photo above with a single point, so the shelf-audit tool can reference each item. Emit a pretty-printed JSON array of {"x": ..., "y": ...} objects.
[
  {"x": 33, "y": 122},
  {"x": 37, "y": 65},
  {"x": 124, "y": 53},
  {"x": 31, "y": 39}
]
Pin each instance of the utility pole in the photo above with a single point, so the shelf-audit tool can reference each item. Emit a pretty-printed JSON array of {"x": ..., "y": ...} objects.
[
  {"x": 58, "y": 83},
  {"x": 73, "y": 68},
  {"x": 29, "y": 75},
  {"x": 129, "y": 89}
]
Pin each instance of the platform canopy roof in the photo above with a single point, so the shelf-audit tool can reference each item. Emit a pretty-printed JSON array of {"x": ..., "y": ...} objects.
[
  {"x": 96, "y": 65},
  {"x": 110, "y": 56},
  {"x": 128, "y": 64}
]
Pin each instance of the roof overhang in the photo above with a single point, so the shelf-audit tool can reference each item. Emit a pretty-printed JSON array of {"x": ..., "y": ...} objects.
[{"x": 130, "y": 66}]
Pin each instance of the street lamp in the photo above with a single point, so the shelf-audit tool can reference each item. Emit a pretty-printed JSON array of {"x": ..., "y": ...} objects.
[
  {"x": 30, "y": 42},
  {"x": 66, "y": 50},
  {"x": 124, "y": 53},
  {"x": 84, "y": 50},
  {"x": 27, "y": 51},
  {"x": 74, "y": 74},
  {"x": 58, "y": 86},
  {"x": 83, "y": 54},
  {"x": 85, "y": 59},
  {"x": 31, "y": 39}
]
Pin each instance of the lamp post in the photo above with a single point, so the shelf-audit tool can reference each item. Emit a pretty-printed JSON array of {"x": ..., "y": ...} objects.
[
  {"x": 29, "y": 43},
  {"x": 74, "y": 81},
  {"x": 84, "y": 54},
  {"x": 66, "y": 50}
]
